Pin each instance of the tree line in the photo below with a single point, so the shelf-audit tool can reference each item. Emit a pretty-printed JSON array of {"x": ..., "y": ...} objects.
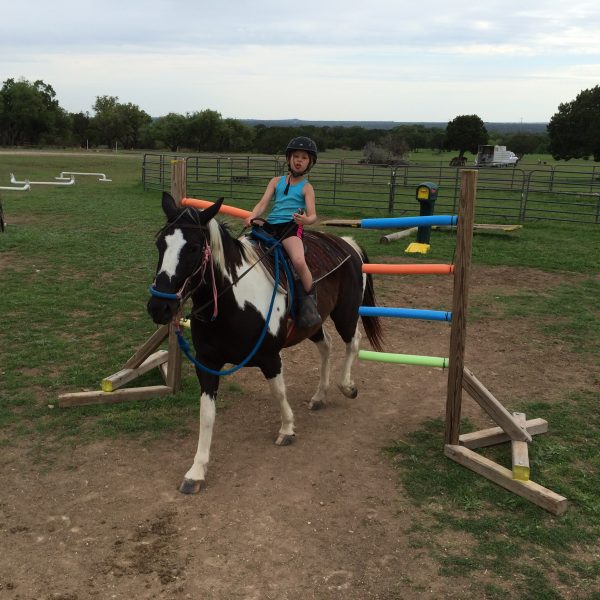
[{"x": 30, "y": 115}]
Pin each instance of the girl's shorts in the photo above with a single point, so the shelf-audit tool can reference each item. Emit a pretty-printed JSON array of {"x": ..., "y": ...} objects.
[{"x": 281, "y": 231}]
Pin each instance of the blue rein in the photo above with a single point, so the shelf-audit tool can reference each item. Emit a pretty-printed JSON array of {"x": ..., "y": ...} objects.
[{"x": 184, "y": 344}]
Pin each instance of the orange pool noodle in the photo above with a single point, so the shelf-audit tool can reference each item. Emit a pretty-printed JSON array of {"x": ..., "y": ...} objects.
[
  {"x": 423, "y": 269},
  {"x": 225, "y": 209}
]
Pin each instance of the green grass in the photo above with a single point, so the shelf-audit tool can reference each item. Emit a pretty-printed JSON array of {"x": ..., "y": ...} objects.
[
  {"x": 527, "y": 549},
  {"x": 76, "y": 263}
]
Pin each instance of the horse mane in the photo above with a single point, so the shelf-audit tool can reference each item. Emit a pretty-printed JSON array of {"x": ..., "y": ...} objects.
[{"x": 229, "y": 252}]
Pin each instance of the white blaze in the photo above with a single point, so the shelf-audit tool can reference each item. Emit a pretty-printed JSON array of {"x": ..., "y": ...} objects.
[{"x": 175, "y": 242}]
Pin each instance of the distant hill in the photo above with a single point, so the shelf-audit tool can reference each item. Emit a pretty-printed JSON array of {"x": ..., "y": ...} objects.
[{"x": 500, "y": 127}]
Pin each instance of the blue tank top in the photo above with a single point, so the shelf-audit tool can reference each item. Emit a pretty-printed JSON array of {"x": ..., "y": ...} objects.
[{"x": 285, "y": 206}]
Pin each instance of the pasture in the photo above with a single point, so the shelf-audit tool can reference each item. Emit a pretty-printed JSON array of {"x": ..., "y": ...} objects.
[{"x": 363, "y": 504}]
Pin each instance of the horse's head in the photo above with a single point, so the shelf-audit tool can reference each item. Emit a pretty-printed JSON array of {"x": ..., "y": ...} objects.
[{"x": 182, "y": 246}]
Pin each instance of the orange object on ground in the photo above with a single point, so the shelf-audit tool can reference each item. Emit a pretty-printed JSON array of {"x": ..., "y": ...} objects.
[
  {"x": 424, "y": 269},
  {"x": 232, "y": 211}
]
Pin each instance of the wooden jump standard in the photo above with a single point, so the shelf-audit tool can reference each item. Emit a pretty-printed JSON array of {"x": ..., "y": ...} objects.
[
  {"x": 148, "y": 355},
  {"x": 513, "y": 428}
]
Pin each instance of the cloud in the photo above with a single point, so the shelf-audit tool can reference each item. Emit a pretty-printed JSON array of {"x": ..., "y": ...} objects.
[{"x": 318, "y": 59}]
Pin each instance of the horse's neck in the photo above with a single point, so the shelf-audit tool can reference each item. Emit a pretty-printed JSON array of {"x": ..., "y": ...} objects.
[{"x": 228, "y": 254}]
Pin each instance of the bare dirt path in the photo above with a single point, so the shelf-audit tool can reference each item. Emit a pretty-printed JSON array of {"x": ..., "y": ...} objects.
[{"x": 323, "y": 518}]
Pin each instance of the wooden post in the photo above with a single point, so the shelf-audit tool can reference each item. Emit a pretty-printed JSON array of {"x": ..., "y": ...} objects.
[
  {"x": 178, "y": 180},
  {"x": 179, "y": 192},
  {"x": 462, "y": 265}
]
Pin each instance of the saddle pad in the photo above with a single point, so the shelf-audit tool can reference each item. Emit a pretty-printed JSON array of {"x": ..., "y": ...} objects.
[{"x": 323, "y": 252}]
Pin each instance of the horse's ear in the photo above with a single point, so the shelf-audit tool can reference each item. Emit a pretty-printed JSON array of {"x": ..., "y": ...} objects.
[
  {"x": 208, "y": 213},
  {"x": 169, "y": 206}
]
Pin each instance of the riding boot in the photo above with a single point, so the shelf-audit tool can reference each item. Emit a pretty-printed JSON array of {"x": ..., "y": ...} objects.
[{"x": 308, "y": 314}]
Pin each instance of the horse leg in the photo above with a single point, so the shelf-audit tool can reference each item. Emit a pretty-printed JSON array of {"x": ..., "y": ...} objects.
[
  {"x": 194, "y": 478},
  {"x": 347, "y": 385},
  {"x": 274, "y": 375},
  {"x": 322, "y": 339}
]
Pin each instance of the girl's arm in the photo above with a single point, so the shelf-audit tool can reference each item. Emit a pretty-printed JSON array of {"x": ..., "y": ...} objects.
[
  {"x": 262, "y": 204},
  {"x": 310, "y": 216}
]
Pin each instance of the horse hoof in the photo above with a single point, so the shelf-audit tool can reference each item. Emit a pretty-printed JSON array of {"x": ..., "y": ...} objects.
[
  {"x": 316, "y": 405},
  {"x": 284, "y": 440},
  {"x": 350, "y": 391},
  {"x": 191, "y": 486}
]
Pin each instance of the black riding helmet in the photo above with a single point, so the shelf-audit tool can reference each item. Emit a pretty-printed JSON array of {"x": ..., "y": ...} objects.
[{"x": 302, "y": 143}]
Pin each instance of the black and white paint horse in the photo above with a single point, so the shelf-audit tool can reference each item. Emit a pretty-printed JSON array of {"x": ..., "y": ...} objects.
[{"x": 233, "y": 293}]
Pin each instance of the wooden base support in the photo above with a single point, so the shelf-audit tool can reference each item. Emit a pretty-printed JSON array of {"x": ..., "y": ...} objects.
[
  {"x": 493, "y": 407},
  {"x": 145, "y": 358},
  {"x": 543, "y": 497},
  {"x": 119, "y": 379},
  {"x": 122, "y": 395},
  {"x": 520, "y": 453},
  {"x": 496, "y": 435}
]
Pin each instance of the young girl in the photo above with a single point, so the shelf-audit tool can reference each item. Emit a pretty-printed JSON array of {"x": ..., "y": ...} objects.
[{"x": 293, "y": 208}]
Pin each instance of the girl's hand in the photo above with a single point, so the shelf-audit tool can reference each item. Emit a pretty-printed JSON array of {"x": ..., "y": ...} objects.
[{"x": 299, "y": 217}]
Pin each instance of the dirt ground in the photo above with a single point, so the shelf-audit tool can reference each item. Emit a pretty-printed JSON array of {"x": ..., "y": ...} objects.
[{"x": 323, "y": 518}]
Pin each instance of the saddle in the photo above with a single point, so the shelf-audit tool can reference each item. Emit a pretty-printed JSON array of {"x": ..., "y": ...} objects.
[{"x": 324, "y": 253}]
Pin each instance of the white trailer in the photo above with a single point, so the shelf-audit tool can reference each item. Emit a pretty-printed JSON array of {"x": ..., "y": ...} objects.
[{"x": 495, "y": 156}]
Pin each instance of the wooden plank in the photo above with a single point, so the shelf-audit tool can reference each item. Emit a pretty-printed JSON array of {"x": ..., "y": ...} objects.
[
  {"x": 543, "y": 497},
  {"x": 175, "y": 360},
  {"x": 341, "y": 222},
  {"x": 485, "y": 227},
  {"x": 492, "y": 407},
  {"x": 396, "y": 235},
  {"x": 520, "y": 452},
  {"x": 496, "y": 227},
  {"x": 147, "y": 348},
  {"x": 460, "y": 295},
  {"x": 164, "y": 369},
  {"x": 496, "y": 435},
  {"x": 122, "y": 395},
  {"x": 119, "y": 379}
]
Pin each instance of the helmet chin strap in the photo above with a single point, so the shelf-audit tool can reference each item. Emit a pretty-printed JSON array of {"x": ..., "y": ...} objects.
[
  {"x": 295, "y": 174},
  {"x": 298, "y": 173}
]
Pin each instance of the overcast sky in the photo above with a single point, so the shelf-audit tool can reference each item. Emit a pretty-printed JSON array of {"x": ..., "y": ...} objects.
[{"x": 378, "y": 60}]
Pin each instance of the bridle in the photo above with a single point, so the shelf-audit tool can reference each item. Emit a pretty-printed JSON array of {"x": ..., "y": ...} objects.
[{"x": 183, "y": 294}]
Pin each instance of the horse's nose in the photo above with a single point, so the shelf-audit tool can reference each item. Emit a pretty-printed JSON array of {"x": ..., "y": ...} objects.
[{"x": 160, "y": 311}]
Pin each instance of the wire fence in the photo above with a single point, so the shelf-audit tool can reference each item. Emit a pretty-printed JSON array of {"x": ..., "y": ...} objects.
[{"x": 513, "y": 194}]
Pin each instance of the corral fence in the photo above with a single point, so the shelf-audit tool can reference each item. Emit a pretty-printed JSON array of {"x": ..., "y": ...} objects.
[{"x": 514, "y": 194}]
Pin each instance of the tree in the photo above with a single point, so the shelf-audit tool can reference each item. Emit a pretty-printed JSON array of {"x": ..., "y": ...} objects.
[
  {"x": 465, "y": 133},
  {"x": 80, "y": 128},
  {"x": 272, "y": 140},
  {"x": 205, "y": 131},
  {"x": 575, "y": 129},
  {"x": 525, "y": 143},
  {"x": 170, "y": 131},
  {"x": 391, "y": 149},
  {"x": 238, "y": 137},
  {"x": 116, "y": 123},
  {"x": 30, "y": 114}
]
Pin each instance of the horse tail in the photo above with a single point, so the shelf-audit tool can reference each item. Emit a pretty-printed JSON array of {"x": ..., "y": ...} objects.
[{"x": 372, "y": 325}]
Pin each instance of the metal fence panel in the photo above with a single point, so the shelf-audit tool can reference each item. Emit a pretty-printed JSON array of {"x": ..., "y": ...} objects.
[{"x": 503, "y": 194}]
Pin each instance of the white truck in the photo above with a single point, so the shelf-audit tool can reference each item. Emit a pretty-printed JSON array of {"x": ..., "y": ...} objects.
[{"x": 495, "y": 156}]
